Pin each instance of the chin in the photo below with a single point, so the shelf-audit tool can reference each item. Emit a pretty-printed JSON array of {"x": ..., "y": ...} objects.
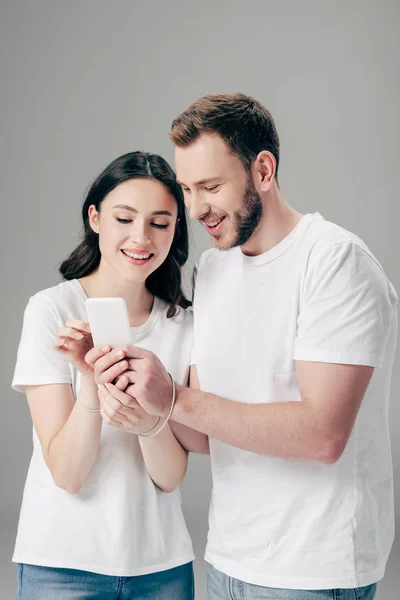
[{"x": 223, "y": 243}]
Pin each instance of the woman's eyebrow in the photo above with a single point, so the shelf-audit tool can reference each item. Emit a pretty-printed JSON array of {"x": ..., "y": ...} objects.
[{"x": 156, "y": 212}]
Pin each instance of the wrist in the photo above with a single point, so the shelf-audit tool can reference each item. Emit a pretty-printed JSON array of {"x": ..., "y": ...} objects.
[
  {"x": 185, "y": 404},
  {"x": 88, "y": 396},
  {"x": 149, "y": 425}
]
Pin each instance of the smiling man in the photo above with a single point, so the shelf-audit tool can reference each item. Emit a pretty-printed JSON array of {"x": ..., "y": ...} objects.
[{"x": 295, "y": 332}]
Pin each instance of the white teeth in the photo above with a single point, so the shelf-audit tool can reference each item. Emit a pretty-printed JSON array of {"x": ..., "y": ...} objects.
[
  {"x": 214, "y": 223},
  {"x": 137, "y": 256}
]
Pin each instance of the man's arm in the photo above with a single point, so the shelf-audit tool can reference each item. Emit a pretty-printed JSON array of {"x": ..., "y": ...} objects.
[
  {"x": 315, "y": 428},
  {"x": 190, "y": 439}
]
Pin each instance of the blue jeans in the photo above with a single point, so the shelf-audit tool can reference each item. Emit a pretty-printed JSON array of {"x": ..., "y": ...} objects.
[
  {"x": 48, "y": 583},
  {"x": 222, "y": 587}
]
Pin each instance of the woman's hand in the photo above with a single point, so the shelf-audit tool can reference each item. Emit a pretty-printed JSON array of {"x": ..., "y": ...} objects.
[
  {"x": 122, "y": 411},
  {"x": 74, "y": 342}
]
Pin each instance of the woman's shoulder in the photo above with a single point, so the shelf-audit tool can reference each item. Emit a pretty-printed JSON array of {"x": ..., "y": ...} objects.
[
  {"x": 57, "y": 298},
  {"x": 183, "y": 316}
]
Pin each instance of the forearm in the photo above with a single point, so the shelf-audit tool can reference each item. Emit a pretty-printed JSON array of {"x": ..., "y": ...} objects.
[
  {"x": 291, "y": 430},
  {"x": 165, "y": 459},
  {"x": 72, "y": 452},
  {"x": 190, "y": 439}
]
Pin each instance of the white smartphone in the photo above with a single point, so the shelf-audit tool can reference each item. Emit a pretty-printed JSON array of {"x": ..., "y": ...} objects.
[{"x": 109, "y": 322}]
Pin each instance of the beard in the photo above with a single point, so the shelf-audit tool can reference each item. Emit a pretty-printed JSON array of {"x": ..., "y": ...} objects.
[{"x": 247, "y": 218}]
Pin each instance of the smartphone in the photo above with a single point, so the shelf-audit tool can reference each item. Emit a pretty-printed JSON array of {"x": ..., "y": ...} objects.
[{"x": 109, "y": 322}]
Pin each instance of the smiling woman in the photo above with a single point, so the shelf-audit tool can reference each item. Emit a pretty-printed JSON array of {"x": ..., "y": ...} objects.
[
  {"x": 101, "y": 507},
  {"x": 140, "y": 191}
]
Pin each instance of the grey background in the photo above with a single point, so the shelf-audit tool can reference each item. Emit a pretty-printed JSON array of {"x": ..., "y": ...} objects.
[{"x": 83, "y": 82}]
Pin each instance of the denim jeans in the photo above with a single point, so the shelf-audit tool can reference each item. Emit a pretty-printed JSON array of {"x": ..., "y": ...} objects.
[
  {"x": 222, "y": 587},
  {"x": 48, "y": 583}
]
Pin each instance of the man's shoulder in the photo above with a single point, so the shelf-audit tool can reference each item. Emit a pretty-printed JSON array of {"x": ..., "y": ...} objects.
[{"x": 325, "y": 237}]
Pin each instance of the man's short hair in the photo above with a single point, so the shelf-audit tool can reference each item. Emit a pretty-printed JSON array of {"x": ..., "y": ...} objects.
[{"x": 243, "y": 123}]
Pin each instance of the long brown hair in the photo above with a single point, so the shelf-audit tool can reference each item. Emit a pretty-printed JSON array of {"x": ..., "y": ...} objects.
[{"x": 166, "y": 281}]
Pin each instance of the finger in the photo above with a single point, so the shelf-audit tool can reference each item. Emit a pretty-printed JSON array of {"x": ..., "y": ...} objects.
[
  {"x": 82, "y": 326},
  {"x": 112, "y": 373},
  {"x": 109, "y": 421},
  {"x": 121, "y": 382},
  {"x": 64, "y": 332},
  {"x": 66, "y": 343},
  {"x": 61, "y": 345},
  {"x": 130, "y": 390},
  {"x": 135, "y": 352},
  {"x": 108, "y": 360},
  {"x": 121, "y": 397},
  {"x": 95, "y": 354},
  {"x": 130, "y": 375},
  {"x": 112, "y": 407}
]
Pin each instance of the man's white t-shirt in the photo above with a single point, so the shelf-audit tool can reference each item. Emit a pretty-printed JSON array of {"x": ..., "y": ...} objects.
[
  {"x": 319, "y": 295},
  {"x": 120, "y": 522}
]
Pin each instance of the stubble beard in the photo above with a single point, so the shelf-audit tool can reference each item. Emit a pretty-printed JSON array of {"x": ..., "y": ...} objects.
[{"x": 247, "y": 218}]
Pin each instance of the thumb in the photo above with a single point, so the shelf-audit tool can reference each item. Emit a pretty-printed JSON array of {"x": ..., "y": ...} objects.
[{"x": 136, "y": 352}]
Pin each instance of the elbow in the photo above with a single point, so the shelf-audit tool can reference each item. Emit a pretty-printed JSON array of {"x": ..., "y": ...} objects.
[
  {"x": 66, "y": 483},
  {"x": 330, "y": 451},
  {"x": 173, "y": 482},
  {"x": 168, "y": 489},
  {"x": 205, "y": 449},
  {"x": 71, "y": 487}
]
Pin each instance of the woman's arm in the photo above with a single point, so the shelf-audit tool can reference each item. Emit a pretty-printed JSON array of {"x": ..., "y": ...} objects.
[
  {"x": 69, "y": 434},
  {"x": 164, "y": 457}
]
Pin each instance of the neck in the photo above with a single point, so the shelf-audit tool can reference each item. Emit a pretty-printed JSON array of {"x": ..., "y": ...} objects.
[
  {"x": 277, "y": 221},
  {"x": 106, "y": 283}
]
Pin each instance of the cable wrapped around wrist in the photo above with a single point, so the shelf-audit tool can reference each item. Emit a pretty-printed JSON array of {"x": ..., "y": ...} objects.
[{"x": 148, "y": 434}]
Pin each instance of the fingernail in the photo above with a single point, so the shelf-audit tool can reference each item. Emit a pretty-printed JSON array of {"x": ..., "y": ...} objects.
[
  {"x": 119, "y": 354},
  {"x": 104, "y": 348},
  {"x": 123, "y": 364}
]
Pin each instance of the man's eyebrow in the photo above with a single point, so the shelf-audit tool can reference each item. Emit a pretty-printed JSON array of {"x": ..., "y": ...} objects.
[
  {"x": 156, "y": 212},
  {"x": 202, "y": 181}
]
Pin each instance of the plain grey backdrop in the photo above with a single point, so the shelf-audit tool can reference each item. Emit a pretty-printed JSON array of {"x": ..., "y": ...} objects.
[{"x": 83, "y": 82}]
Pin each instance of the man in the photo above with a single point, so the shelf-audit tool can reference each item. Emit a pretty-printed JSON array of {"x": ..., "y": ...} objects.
[{"x": 295, "y": 332}]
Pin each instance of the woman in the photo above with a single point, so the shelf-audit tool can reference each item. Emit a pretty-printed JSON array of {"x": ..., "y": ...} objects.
[{"x": 101, "y": 515}]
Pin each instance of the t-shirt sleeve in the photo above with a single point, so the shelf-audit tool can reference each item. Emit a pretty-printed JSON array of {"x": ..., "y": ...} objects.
[
  {"x": 38, "y": 362},
  {"x": 346, "y": 310}
]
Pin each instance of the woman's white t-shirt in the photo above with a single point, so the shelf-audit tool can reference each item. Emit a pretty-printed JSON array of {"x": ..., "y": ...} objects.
[{"x": 119, "y": 523}]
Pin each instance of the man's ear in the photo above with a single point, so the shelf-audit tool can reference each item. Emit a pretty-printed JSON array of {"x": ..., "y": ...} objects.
[
  {"x": 94, "y": 218},
  {"x": 264, "y": 169}
]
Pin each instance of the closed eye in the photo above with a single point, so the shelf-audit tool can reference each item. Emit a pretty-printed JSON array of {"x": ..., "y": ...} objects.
[
  {"x": 158, "y": 226},
  {"x": 124, "y": 220},
  {"x": 212, "y": 188}
]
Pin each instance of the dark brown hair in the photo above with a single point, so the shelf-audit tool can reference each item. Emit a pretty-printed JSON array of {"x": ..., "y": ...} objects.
[
  {"x": 164, "y": 282},
  {"x": 242, "y": 122}
]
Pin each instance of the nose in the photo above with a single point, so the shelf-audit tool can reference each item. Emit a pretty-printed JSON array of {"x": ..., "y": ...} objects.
[
  {"x": 196, "y": 206},
  {"x": 139, "y": 234}
]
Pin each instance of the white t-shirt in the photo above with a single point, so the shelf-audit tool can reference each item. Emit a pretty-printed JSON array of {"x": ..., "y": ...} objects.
[
  {"x": 120, "y": 522},
  {"x": 319, "y": 295}
]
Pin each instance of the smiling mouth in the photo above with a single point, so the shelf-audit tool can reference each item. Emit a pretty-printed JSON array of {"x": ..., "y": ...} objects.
[
  {"x": 214, "y": 226},
  {"x": 137, "y": 256}
]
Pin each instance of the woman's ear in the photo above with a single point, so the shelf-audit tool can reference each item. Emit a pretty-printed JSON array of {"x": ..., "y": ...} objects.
[{"x": 94, "y": 216}]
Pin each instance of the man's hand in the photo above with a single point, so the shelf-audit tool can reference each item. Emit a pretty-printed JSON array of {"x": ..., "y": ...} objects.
[{"x": 150, "y": 384}]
